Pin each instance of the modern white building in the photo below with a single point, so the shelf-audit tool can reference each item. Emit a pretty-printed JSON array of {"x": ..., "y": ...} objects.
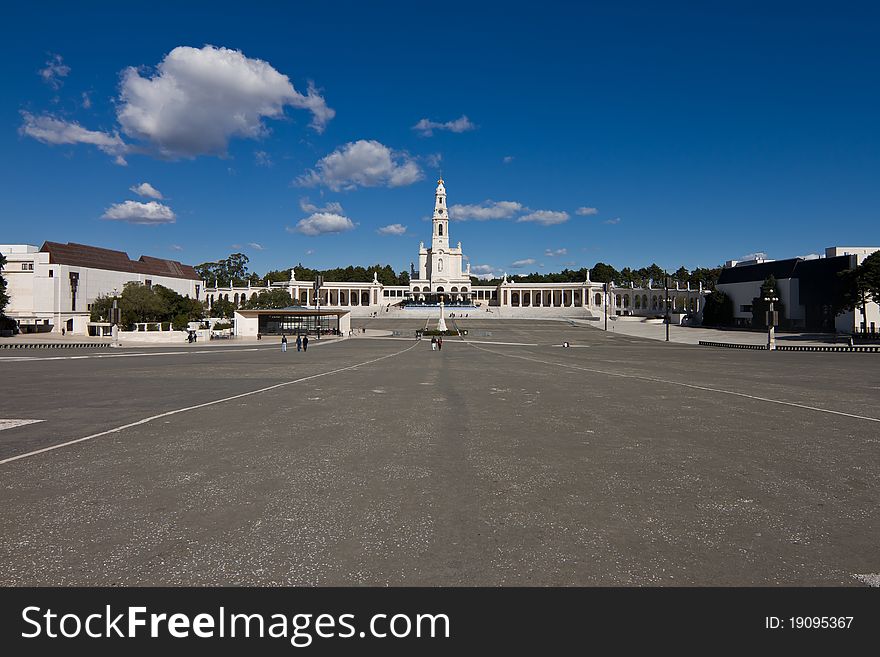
[
  {"x": 444, "y": 274},
  {"x": 806, "y": 289},
  {"x": 52, "y": 287}
]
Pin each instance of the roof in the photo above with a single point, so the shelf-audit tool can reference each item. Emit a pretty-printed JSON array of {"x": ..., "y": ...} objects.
[
  {"x": 818, "y": 277},
  {"x": 82, "y": 255},
  {"x": 780, "y": 269}
]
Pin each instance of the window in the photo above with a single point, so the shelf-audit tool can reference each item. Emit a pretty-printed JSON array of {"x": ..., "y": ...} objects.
[
  {"x": 51, "y": 273},
  {"x": 745, "y": 309},
  {"x": 27, "y": 266},
  {"x": 439, "y": 229},
  {"x": 148, "y": 283}
]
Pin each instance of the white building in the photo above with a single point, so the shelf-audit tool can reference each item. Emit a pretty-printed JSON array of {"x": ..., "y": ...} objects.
[
  {"x": 441, "y": 275},
  {"x": 52, "y": 288},
  {"x": 806, "y": 289}
]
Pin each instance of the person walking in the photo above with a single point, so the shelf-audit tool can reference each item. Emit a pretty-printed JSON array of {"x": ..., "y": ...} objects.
[
  {"x": 299, "y": 342},
  {"x": 440, "y": 342},
  {"x": 433, "y": 343},
  {"x": 306, "y": 343},
  {"x": 283, "y": 343}
]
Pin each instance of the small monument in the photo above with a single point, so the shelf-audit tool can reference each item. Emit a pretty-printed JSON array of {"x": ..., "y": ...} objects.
[{"x": 441, "y": 325}]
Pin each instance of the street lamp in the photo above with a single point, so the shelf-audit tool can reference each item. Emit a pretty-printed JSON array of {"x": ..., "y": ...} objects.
[
  {"x": 606, "y": 305},
  {"x": 771, "y": 297},
  {"x": 667, "y": 301}
]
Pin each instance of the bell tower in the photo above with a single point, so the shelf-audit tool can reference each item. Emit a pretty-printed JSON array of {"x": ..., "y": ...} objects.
[{"x": 440, "y": 221}]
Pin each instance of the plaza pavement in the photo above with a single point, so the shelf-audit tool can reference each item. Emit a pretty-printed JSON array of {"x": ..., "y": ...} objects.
[{"x": 504, "y": 459}]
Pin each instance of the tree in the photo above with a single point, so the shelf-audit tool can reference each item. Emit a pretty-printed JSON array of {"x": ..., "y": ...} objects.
[
  {"x": 856, "y": 287},
  {"x": 705, "y": 275},
  {"x": 269, "y": 299},
  {"x": 100, "y": 311},
  {"x": 236, "y": 267},
  {"x": 141, "y": 304},
  {"x": 682, "y": 274},
  {"x": 403, "y": 278},
  {"x": 4, "y": 297},
  {"x": 222, "y": 308},
  {"x": 718, "y": 309},
  {"x": 602, "y": 273}
]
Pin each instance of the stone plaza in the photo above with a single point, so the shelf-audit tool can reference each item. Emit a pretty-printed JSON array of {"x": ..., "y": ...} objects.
[{"x": 503, "y": 459}]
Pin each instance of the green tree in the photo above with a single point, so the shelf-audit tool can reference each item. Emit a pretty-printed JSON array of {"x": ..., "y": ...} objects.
[
  {"x": 222, "y": 308},
  {"x": 718, "y": 309},
  {"x": 236, "y": 268},
  {"x": 856, "y": 287},
  {"x": 141, "y": 304},
  {"x": 4, "y": 297},
  {"x": 682, "y": 274},
  {"x": 602, "y": 273},
  {"x": 269, "y": 299},
  {"x": 403, "y": 278},
  {"x": 705, "y": 275},
  {"x": 100, "y": 311}
]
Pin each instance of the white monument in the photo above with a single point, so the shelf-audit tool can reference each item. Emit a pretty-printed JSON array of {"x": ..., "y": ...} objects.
[{"x": 441, "y": 325}]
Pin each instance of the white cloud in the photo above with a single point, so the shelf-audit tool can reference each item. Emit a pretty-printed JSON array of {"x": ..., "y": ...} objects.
[
  {"x": 256, "y": 246},
  {"x": 176, "y": 247},
  {"x": 363, "y": 163},
  {"x": 198, "y": 99},
  {"x": 331, "y": 206},
  {"x": 86, "y": 101},
  {"x": 585, "y": 211},
  {"x": 485, "y": 272},
  {"x": 555, "y": 252},
  {"x": 757, "y": 255},
  {"x": 134, "y": 212},
  {"x": 322, "y": 222},
  {"x": 146, "y": 189},
  {"x": 263, "y": 159},
  {"x": 310, "y": 251},
  {"x": 518, "y": 264},
  {"x": 49, "y": 130},
  {"x": 54, "y": 71},
  {"x": 614, "y": 221},
  {"x": 427, "y": 127},
  {"x": 485, "y": 211},
  {"x": 545, "y": 217},
  {"x": 392, "y": 229},
  {"x": 507, "y": 159}
]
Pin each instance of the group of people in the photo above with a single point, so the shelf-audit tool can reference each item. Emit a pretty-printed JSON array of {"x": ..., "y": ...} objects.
[
  {"x": 436, "y": 342},
  {"x": 302, "y": 343}
]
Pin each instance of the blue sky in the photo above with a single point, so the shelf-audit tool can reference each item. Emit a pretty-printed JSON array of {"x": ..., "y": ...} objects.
[{"x": 687, "y": 133}]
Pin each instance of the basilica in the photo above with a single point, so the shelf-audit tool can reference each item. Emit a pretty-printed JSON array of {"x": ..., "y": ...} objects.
[{"x": 443, "y": 275}]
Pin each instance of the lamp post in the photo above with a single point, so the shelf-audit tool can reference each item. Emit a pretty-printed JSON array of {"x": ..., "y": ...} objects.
[
  {"x": 667, "y": 301},
  {"x": 771, "y": 297},
  {"x": 606, "y": 305}
]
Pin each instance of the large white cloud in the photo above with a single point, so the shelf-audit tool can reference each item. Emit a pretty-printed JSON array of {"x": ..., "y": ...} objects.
[
  {"x": 363, "y": 163},
  {"x": 518, "y": 264},
  {"x": 427, "y": 127},
  {"x": 198, "y": 99},
  {"x": 134, "y": 212},
  {"x": 323, "y": 222},
  {"x": 485, "y": 210},
  {"x": 146, "y": 189},
  {"x": 51, "y": 130},
  {"x": 545, "y": 217}
]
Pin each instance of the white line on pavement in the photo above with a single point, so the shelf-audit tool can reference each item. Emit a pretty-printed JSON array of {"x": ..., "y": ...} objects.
[
  {"x": 197, "y": 406},
  {"x": 12, "y": 423},
  {"x": 684, "y": 385}
]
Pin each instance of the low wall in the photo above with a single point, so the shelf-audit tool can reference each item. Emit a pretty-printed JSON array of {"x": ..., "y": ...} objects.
[{"x": 161, "y": 337}]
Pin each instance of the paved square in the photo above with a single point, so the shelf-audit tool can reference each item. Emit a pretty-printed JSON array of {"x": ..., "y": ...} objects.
[{"x": 503, "y": 459}]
